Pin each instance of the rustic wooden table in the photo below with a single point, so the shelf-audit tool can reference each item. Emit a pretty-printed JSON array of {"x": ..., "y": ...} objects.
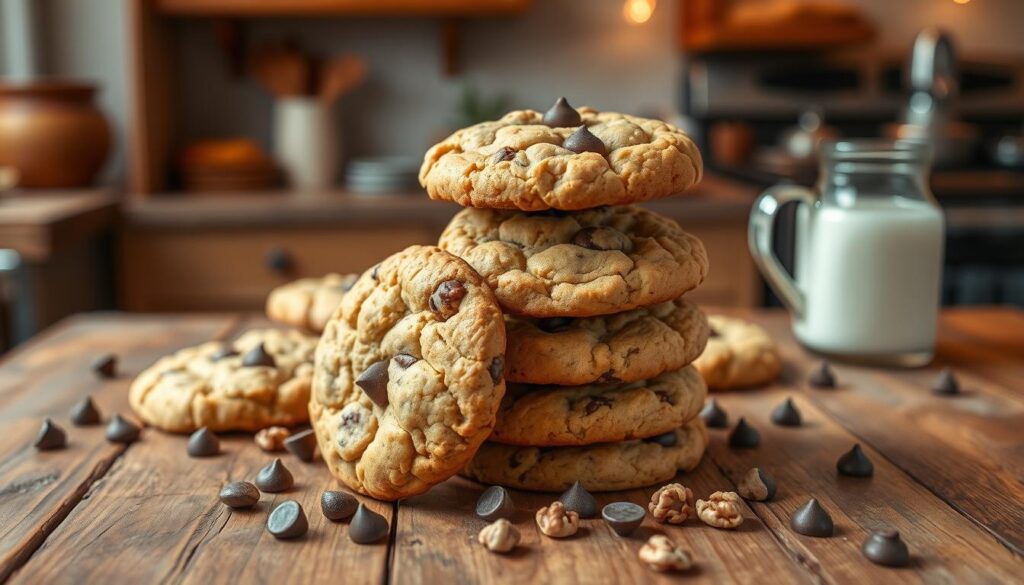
[{"x": 948, "y": 476}]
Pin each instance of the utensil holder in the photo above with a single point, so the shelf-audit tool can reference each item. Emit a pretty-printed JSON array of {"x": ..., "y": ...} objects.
[{"x": 305, "y": 143}]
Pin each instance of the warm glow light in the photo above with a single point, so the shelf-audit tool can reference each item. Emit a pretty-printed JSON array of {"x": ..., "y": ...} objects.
[
  {"x": 962, "y": 1},
  {"x": 638, "y": 11}
]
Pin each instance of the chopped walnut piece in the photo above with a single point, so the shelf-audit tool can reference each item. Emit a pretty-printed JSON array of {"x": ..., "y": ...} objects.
[
  {"x": 271, "y": 439},
  {"x": 721, "y": 510},
  {"x": 661, "y": 554},
  {"x": 500, "y": 536},
  {"x": 557, "y": 522},
  {"x": 672, "y": 503}
]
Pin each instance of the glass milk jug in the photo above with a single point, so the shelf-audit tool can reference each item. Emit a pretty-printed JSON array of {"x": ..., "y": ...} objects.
[{"x": 869, "y": 247}]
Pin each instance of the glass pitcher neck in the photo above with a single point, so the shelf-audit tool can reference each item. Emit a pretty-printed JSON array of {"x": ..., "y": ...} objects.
[{"x": 855, "y": 169}]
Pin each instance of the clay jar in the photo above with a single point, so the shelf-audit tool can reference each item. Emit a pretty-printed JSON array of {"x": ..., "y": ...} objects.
[{"x": 51, "y": 133}]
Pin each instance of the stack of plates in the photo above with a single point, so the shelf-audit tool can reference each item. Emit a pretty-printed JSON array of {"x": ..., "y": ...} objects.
[{"x": 389, "y": 174}]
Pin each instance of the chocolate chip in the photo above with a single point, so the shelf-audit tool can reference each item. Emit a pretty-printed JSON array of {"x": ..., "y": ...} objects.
[
  {"x": 203, "y": 443},
  {"x": 577, "y": 499},
  {"x": 787, "y": 414},
  {"x": 495, "y": 503},
  {"x": 946, "y": 383},
  {"x": 302, "y": 444},
  {"x": 884, "y": 547},
  {"x": 85, "y": 414},
  {"x": 562, "y": 115},
  {"x": 712, "y": 332},
  {"x": 375, "y": 272},
  {"x": 239, "y": 494},
  {"x": 812, "y": 520},
  {"x": 50, "y": 437},
  {"x": 669, "y": 439},
  {"x": 122, "y": 430},
  {"x": 506, "y": 153},
  {"x": 274, "y": 477},
  {"x": 597, "y": 402},
  {"x": 105, "y": 366},
  {"x": 338, "y": 505},
  {"x": 446, "y": 298},
  {"x": 744, "y": 436},
  {"x": 367, "y": 526},
  {"x": 855, "y": 463},
  {"x": 599, "y": 238},
  {"x": 713, "y": 415},
  {"x": 496, "y": 369},
  {"x": 756, "y": 485},
  {"x": 225, "y": 351},
  {"x": 258, "y": 357},
  {"x": 664, "y": 397},
  {"x": 374, "y": 382},
  {"x": 554, "y": 324},
  {"x": 405, "y": 360},
  {"x": 822, "y": 376},
  {"x": 623, "y": 517},
  {"x": 288, "y": 520},
  {"x": 582, "y": 140}
]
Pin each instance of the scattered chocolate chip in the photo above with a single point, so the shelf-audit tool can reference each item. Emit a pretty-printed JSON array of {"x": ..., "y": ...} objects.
[
  {"x": 496, "y": 369},
  {"x": 375, "y": 272},
  {"x": 367, "y": 526},
  {"x": 85, "y": 413},
  {"x": 811, "y": 520},
  {"x": 374, "y": 382},
  {"x": 744, "y": 436},
  {"x": 757, "y": 485},
  {"x": 287, "y": 520},
  {"x": 623, "y": 517},
  {"x": 885, "y": 547},
  {"x": 239, "y": 494},
  {"x": 554, "y": 324},
  {"x": 338, "y": 505},
  {"x": 203, "y": 443},
  {"x": 713, "y": 415},
  {"x": 405, "y": 360},
  {"x": 105, "y": 366},
  {"x": 50, "y": 437},
  {"x": 822, "y": 376},
  {"x": 855, "y": 463},
  {"x": 225, "y": 351},
  {"x": 787, "y": 414},
  {"x": 594, "y": 404},
  {"x": 669, "y": 439},
  {"x": 257, "y": 357},
  {"x": 946, "y": 383},
  {"x": 577, "y": 499},
  {"x": 122, "y": 430},
  {"x": 495, "y": 503},
  {"x": 446, "y": 298},
  {"x": 562, "y": 115},
  {"x": 582, "y": 140},
  {"x": 506, "y": 153},
  {"x": 274, "y": 477},
  {"x": 302, "y": 444}
]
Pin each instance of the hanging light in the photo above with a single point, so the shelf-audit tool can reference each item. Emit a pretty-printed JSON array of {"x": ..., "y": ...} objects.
[{"x": 638, "y": 11}]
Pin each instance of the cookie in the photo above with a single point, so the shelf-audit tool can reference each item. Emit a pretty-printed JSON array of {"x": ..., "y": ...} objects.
[
  {"x": 408, "y": 374},
  {"x": 598, "y": 413},
  {"x": 519, "y": 162},
  {"x": 601, "y": 468},
  {"x": 211, "y": 385},
  {"x": 738, "y": 354},
  {"x": 625, "y": 347},
  {"x": 308, "y": 302},
  {"x": 593, "y": 262}
]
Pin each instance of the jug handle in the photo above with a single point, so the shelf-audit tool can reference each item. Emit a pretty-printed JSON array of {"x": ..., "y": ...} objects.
[{"x": 761, "y": 234}]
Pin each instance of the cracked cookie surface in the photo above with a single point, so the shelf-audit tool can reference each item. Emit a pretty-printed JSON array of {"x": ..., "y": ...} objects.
[
  {"x": 211, "y": 386},
  {"x": 519, "y": 162},
  {"x": 408, "y": 374},
  {"x": 594, "y": 262},
  {"x": 598, "y": 413},
  {"x": 626, "y": 347},
  {"x": 601, "y": 468},
  {"x": 739, "y": 354},
  {"x": 308, "y": 303}
]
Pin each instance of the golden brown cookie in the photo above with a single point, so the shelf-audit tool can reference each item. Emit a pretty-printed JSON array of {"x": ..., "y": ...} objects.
[
  {"x": 308, "y": 303},
  {"x": 739, "y": 354}
]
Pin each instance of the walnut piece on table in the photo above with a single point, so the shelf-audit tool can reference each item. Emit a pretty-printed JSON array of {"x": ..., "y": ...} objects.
[
  {"x": 500, "y": 536},
  {"x": 672, "y": 503},
  {"x": 721, "y": 510},
  {"x": 557, "y": 522},
  {"x": 271, "y": 439},
  {"x": 661, "y": 554}
]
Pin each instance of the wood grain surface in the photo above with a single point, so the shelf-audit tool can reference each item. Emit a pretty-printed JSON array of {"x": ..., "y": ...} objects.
[{"x": 948, "y": 475}]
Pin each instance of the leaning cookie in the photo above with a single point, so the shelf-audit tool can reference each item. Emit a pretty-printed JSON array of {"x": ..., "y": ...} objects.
[
  {"x": 625, "y": 347},
  {"x": 261, "y": 379},
  {"x": 739, "y": 354},
  {"x": 408, "y": 374},
  {"x": 568, "y": 159},
  {"x": 308, "y": 303},
  {"x": 593, "y": 262},
  {"x": 601, "y": 468},
  {"x": 599, "y": 413}
]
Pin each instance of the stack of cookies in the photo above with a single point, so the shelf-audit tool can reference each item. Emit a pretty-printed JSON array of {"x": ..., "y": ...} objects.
[{"x": 600, "y": 339}]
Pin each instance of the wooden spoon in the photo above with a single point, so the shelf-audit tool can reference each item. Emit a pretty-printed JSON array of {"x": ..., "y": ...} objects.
[{"x": 339, "y": 75}]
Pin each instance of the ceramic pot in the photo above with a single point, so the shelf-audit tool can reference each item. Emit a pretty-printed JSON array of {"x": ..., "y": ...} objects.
[{"x": 51, "y": 133}]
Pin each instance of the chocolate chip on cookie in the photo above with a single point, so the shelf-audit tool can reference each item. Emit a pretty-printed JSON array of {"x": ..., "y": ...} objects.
[
  {"x": 562, "y": 115},
  {"x": 225, "y": 351},
  {"x": 506, "y": 153},
  {"x": 446, "y": 298},
  {"x": 374, "y": 382},
  {"x": 582, "y": 140},
  {"x": 50, "y": 437},
  {"x": 601, "y": 238},
  {"x": 258, "y": 357},
  {"x": 496, "y": 369},
  {"x": 596, "y": 403},
  {"x": 405, "y": 360},
  {"x": 554, "y": 324}
]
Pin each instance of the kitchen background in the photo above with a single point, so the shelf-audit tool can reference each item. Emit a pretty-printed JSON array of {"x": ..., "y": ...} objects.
[{"x": 188, "y": 85}]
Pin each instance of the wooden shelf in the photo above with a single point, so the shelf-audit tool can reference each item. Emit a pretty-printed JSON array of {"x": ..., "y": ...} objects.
[{"x": 256, "y": 8}]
